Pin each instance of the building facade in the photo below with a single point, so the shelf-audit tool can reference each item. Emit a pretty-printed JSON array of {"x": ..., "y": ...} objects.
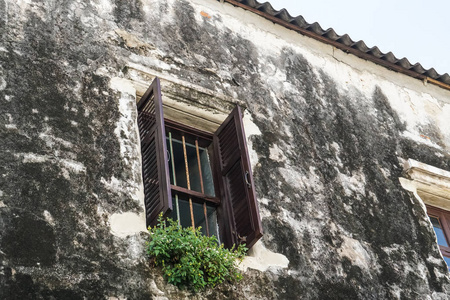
[{"x": 348, "y": 149}]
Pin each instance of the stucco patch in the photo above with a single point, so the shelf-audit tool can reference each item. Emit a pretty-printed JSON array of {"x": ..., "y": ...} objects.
[
  {"x": 122, "y": 85},
  {"x": 277, "y": 154},
  {"x": 259, "y": 258},
  {"x": 353, "y": 250},
  {"x": 125, "y": 224}
]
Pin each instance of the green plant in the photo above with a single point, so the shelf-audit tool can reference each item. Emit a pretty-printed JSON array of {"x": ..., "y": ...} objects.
[{"x": 191, "y": 259}]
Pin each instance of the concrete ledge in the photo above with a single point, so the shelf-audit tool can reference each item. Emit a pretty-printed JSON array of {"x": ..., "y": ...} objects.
[{"x": 431, "y": 184}]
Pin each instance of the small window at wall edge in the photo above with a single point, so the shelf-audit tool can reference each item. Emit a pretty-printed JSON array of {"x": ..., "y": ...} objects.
[
  {"x": 238, "y": 214},
  {"x": 440, "y": 220}
]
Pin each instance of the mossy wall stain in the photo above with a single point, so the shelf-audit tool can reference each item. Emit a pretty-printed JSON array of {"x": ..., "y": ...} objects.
[{"x": 338, "y": 177}]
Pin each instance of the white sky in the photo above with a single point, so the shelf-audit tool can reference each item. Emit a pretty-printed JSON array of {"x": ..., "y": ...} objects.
[{"x": 417, "y": 30}]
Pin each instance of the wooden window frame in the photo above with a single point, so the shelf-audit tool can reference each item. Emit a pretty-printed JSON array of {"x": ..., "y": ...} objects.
[
  {"x": 237, "y": 209},
  {"x": 205, "y": 141},
  {"x": 444, "y": 218}
]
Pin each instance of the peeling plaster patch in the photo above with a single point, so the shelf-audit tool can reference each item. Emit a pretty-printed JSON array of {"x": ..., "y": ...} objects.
[
  {"x": 136, "y": 246},
  {"x": 355, "y": 183},
  {"x": 11, "y": 126},
  {"x": 293, "y": 177},
  {"x": 336, "y": 147},
  {"x": 299, "y": 181},
  {"x": 386, "y": 172},
  {"x": 122, "y": 85},
  {"x": 337, "y": 150},
  {"x": 113, "y": 185},
  {"x": 438, "y": 154},
  {"x": 437, "y": 261},
  {"x": 125, "y": 224},
  {"x": 250, "y": 129},
  {"x": 124, "y": 124},
  {"x": 395, "y": 291},
  {"x": 434, "y": 260},
  {"x": 277, "y": 154},
  {"x": 264, "y": 201},
  {"x": 75, "y": 166},
  {"x": 392, "y": 249},
  {"x": 72, "y": 165},
  {"x": 263, "y": 211},
  {"x": 132, "y": 41},
  {"x": 51, "y": 140},
  {"x": 154, "y": 62},
  {"x": 104, "y": 7},
  {"x": 48, "y": 217},
  {"x": 154, "y": 288},
  {"x": 444, "y": 125},
  {"x": 294, "y": 223},
  {"x": 33, "y": 158},
  {"x": 420, "y": 139},
  {"x": 2, "y": 84},
  {"x": 127, "y": 134},
  {"x": 353, "y": 250},
  {"x": 261, "y": 259},
  {"x": 438, "y": 296}
]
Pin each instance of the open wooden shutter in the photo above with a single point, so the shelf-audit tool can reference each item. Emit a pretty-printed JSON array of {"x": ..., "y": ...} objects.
[
  {"x": 239, "y": 215},
  {"x": 155, "y": 167}
]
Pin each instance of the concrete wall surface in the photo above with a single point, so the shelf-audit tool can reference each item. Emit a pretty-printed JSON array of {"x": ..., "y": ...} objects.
[{"x": 328, "y": 135}]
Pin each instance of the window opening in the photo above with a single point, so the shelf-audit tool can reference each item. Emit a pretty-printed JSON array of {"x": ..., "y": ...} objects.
[
  {"x": 190, "y": 169},
  {"x": 181, "y": 182},
  {"x": 440, "y": 219},
  {"x": 438, "y": 230}
]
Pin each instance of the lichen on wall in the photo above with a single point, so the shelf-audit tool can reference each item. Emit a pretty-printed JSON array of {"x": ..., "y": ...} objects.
[{"x": 327, "y": 134}]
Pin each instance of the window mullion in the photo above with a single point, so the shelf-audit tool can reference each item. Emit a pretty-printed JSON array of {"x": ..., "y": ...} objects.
[
  {"x": 201, "y": 185},
  {"x": 174, "y": 177},
  {"x": 191, "y": 208}
]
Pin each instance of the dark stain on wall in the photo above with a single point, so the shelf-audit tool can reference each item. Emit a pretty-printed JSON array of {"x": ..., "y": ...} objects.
[
  {"x": 62, "y": 113},
  {"x": 128, "y": 13},
  {"x": 27, "y": 240}
]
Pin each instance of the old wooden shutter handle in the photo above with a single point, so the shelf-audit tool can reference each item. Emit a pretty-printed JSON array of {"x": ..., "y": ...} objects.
[
  {"x": 249, "y": 185},
  {"x": 242, "y": 238}
]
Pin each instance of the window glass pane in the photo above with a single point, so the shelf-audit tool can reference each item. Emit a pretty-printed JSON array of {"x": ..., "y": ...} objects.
[
  {"x": 447, "y": 260},
  {"x": 439, "y": 232},
  {"x": 208, "y": 183},
  {"x": 199, "y": 216},
  {"x": 178, "y": 157}
]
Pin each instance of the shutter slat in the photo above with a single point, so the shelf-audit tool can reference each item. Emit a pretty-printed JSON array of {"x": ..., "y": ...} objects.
[
  {"x": 228, "y": 144},
  {"x": 238, "y": 214},
  {"x": 153, "y": 150}
]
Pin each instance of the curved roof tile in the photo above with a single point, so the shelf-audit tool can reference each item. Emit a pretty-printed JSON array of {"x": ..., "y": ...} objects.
[{"x": 343, "y": 42}]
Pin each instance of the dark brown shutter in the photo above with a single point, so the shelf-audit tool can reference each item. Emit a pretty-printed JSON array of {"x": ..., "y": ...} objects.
[
  {"x": 239, "y": 215},
  {"x": 154, "y": 154}
]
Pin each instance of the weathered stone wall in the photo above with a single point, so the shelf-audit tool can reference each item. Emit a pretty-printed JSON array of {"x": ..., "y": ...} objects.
[{"x": 327, "y": 132}]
